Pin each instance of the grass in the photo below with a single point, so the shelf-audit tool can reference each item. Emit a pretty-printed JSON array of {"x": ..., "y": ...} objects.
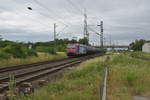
[
  {"x": 41, "y": 57},
  {"x": 128, "y": 77},
  {"x": 81, "y": 84}
]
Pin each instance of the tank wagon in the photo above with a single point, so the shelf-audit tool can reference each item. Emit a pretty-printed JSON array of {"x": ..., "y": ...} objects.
[{"x": 77, "y": 49}]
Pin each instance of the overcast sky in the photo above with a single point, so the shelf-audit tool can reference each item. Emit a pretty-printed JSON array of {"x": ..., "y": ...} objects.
[{"x": 124, "y": 20}]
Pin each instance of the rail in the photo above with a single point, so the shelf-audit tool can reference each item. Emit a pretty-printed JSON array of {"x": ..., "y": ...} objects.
[
  {"x": 140, "y": 57},
  {"x": 103, "y": 89},
  {"x": 28, "y": 74}
]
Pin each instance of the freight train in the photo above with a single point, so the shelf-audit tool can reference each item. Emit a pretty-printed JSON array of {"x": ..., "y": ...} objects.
[{"x": 77, "y": 49}]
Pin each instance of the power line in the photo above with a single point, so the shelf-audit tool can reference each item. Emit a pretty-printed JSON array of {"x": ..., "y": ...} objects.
[
  {"x": 47, "y": 14},
  {"x": 43, "y": 6},
  {"x": 62, "y": 29},
  {"x": 91, "y": 29},
  {"x": 18, "y": 13},
  {"x": 73, "y": 5},
  {"x": 68, "y": 10},
  {"x": 33, "y": 19}
]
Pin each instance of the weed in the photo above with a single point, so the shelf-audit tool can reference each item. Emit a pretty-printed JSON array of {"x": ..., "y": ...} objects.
[
  {"x": 12, "y": 85},
  {"x": 131, "y": 77},
  {"x": 139, "y": 90},
  {"x": 56, "y": 87}
]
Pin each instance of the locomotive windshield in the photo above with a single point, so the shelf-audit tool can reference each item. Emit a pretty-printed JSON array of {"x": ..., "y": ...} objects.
[{"x": 71, "y": 47}]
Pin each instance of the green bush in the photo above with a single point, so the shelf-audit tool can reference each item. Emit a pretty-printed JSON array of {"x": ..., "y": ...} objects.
[
  {"x": 131, "y": 77},
  {"x": 61, "y": 48},
  {"x": 4, "y": 55},
  {"x": 31, "y": 53},
  {"x": 45, "y": 49},
  {"x": 52, "y": 51},
  {"x": 15, "y": 50}
]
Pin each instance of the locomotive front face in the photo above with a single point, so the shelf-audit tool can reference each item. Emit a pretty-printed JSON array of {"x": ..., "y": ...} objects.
[{"x": 72, "y": 50}]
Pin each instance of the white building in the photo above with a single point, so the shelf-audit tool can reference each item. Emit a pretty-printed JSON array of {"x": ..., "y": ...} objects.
[{"x": 146, "y": 47}]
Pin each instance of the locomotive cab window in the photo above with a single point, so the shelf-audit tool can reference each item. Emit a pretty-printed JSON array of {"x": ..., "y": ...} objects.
[{"x": 71, "y": 47}]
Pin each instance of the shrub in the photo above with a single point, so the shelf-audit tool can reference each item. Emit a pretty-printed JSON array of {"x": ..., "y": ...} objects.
[
  {"x": 131, "y": 77},
  {"x": 4, "y": 55},
  {"x": 45, "y": 49},
  {"x": 52, "y": 51},
  {"x": 31, "y": 52},
  {"x": 61, "y": 48},
  {"x": 15, "y": 50}
]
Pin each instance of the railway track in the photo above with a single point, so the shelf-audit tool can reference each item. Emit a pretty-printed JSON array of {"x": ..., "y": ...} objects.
[
  {"x": 17, "y": 67},
  {"x": 140, "y": 57},
  {"x": 31, "y": 72}
]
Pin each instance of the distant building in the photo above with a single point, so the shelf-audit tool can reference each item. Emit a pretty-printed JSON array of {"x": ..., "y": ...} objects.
[{"x": 146, "y": 47}]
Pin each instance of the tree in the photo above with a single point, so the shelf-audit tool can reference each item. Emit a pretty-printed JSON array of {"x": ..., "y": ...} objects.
[
  {"x": 83, "y": 41},
  {"x": 73, "y": 41},
  {"x": 137, "y": 45}
]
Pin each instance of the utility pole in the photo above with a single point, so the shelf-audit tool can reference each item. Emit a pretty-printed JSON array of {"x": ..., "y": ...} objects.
[
  {"x": 54, "y": 37},
  {"x": 110, "y": 40},
  {"x": 101, "y": 33},
  {"x": 86, "y": 34}
]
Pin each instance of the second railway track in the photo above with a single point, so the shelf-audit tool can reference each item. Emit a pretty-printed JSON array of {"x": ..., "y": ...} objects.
[{"x": 35, "y": 71}]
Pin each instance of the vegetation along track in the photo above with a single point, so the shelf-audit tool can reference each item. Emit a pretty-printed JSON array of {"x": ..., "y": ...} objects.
[{"x": 30, "y": 72}]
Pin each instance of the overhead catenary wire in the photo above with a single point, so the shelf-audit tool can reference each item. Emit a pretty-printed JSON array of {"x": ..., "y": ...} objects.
[
  {"x": 69, "y": 12},
  {"x": 46, "y": 15},
  {"x": 17, "y": 12},
  {"x": 91, "y": 29},
  {"x": 74, "y": 6},
  {"x": 62, "y": 30},
  {"x": 49, "y": 10},
  {"x": 68, "y": 23},
  {"x": 50, "y": 16}
]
